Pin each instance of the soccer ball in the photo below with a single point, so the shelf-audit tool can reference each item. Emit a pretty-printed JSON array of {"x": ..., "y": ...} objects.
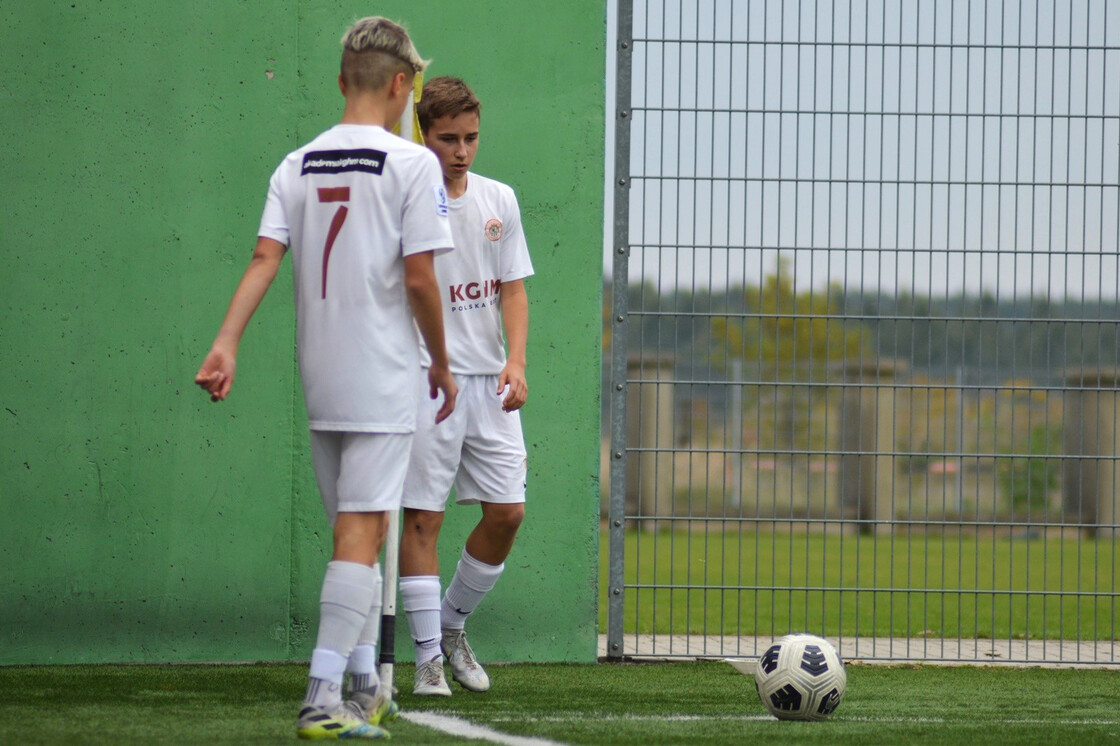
[{"x": 800, "y": 677}]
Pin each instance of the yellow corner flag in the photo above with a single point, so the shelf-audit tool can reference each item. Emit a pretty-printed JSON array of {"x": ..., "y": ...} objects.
[{"x": 409, "y": 126}]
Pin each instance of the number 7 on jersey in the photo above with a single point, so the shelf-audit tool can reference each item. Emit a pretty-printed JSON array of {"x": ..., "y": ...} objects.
[{"x": 333, "y": 194}]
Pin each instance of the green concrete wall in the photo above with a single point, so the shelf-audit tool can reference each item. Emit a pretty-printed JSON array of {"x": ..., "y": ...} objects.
[{"x": 140, "y": 521}]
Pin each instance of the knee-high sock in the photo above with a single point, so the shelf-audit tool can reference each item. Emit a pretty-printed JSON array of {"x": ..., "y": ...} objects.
[
  {"x": 362, "y": 665},
  {"x": 420, "y": 599},
  {"x": 343, "y": 608},
  {"x": 472, "y": 581}
]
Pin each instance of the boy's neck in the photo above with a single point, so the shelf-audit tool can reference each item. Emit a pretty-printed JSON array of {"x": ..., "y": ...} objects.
[
  {"x": 366, "y": 110},
  {"x": 456, "y": 188}
]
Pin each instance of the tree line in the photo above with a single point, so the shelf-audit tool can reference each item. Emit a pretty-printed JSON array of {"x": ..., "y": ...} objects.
[{"x": 773, "y": 332}]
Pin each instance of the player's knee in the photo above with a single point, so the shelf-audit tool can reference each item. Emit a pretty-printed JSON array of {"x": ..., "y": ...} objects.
[
  {"x": 505, "y": 520},
  {"x": 358, "y": 537},
  {"x": 422, "y": 526}
]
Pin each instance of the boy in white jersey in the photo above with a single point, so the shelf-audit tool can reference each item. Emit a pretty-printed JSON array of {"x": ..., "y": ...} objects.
[
  {"x": 363, "y": 212},
  {"x": 479, "y": 449}
]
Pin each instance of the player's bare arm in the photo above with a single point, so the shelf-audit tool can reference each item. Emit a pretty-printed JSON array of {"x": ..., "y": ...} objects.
[
  {"x": 427, "y": 309},
  {"x": 515, "y": 321},
  {"x": 217, "y": 371}
]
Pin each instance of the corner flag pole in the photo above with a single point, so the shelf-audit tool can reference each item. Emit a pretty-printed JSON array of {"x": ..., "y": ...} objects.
[
  {"x": 386, "y": 655},
  {"x": 409, "y": 128}
]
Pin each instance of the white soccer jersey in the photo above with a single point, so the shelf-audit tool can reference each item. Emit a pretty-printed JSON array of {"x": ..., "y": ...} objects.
[
  {"x": 351, "y": 204},
  {"x": 490, "y": 249}
]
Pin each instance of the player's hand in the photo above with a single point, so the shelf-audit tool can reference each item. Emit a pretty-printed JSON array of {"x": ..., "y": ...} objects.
[
  {"x": 512, "y": 381},
  {"x": 216, "y": 373},
  {"x": 440, "y": 379}
]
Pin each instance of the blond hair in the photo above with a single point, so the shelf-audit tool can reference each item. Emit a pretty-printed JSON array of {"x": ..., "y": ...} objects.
[{"x": 375, "y": 49}]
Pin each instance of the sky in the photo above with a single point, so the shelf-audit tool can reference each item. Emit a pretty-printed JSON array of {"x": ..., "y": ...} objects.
[{"x": 919, "y": 145}]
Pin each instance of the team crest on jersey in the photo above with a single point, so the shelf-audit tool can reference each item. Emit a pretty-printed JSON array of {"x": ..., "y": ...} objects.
[{"x": 493, "y": 229}]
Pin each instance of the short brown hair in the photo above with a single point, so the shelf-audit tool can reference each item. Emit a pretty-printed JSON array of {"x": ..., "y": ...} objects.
[
  {"x": 375, "y": 49},
  {"x": 445, "y": 96}
]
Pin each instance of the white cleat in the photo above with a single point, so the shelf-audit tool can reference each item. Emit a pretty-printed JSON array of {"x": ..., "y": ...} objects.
[
  {"x": 464, "y": 666},
  {"x": 429, "y": 680}
]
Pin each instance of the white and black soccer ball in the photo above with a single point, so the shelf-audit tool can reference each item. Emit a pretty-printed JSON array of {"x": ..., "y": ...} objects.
[{"x": 800, "y": 677}]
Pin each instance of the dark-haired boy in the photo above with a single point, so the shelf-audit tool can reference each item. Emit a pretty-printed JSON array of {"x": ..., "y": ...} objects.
[{"x": 479, "y": 449}]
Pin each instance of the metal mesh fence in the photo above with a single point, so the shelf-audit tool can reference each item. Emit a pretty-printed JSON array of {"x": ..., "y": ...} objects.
[{"x": 865, "y": 329}]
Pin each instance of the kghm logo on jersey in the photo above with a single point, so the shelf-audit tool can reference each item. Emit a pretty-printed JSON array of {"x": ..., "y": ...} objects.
[
  {"x": 493, "y": 229},
  {"x": 469, "y": 296},
  {"x": 475, "y": 290}
]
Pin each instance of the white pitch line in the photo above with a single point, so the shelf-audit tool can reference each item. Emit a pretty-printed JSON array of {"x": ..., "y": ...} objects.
[
  {"x": 466, "y": 729},
  {"x": 638, "y": 718},
  {"x": 763, "y": 718}
]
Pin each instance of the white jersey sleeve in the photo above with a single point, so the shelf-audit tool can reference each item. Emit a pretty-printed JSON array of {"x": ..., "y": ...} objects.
[
  {"x": 274, "y": 222},
  {"x": 425, "y": 203},
  {"x": 514, "y": 249}
]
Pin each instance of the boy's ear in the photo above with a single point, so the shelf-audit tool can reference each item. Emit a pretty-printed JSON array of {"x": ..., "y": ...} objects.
[
  {"x": 398, "y": 85},
  {"x": 341, "y": 85}
]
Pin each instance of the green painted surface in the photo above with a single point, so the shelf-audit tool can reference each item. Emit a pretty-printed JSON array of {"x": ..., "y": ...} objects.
[{"x": 143, "y": 523}]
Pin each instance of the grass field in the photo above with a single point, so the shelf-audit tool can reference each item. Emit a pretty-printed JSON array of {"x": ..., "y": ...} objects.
[
  {"x": 917, "y": 585},
  {"x": 663, "y": 703}
]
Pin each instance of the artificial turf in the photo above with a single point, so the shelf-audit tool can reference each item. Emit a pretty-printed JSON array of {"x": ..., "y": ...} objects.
[{"x": 629, "y": 703}]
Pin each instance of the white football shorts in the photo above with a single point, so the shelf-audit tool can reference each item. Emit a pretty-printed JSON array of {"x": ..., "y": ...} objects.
[
  {"x": 360, "y": 472},
  {"x": 479, "y": 449}
]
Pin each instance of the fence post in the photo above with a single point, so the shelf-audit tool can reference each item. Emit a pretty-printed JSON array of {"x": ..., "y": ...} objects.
[
  {"x": 867, "y": 428},
  {"x": 1091, "y": 425},
  {"x": 649, "y": 428},
  {"x": 620, "y": 328}
]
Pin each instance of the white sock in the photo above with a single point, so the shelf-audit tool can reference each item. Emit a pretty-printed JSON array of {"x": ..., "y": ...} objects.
[
  {"x": 362, "y": 665},
  {"x": 420, "y": 599},
  {"x": 344, "y": 604},
  {"x": 324, "y": 683},
  {"x": 472, "y": 581},
  {"x": 363, "y": 662}
]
